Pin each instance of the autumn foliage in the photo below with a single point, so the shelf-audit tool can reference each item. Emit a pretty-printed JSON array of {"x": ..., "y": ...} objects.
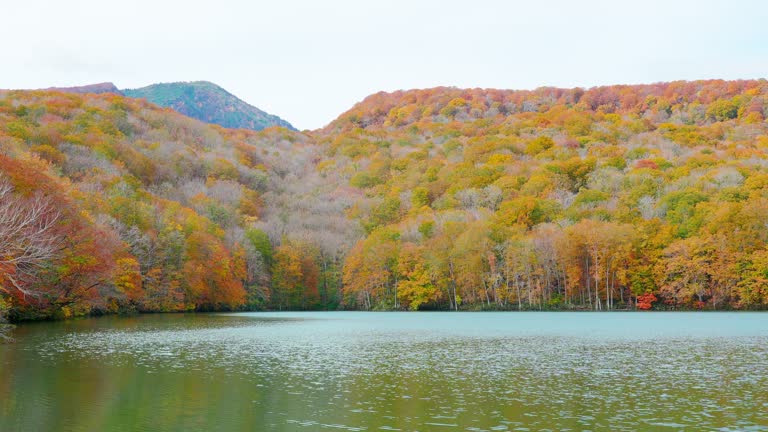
[{"x": 646, "y": 196}]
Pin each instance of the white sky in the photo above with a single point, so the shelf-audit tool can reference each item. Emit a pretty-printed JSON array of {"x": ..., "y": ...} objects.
[{"x": 308, "y": 61}]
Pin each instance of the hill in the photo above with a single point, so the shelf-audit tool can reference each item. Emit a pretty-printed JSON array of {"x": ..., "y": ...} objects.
[
  {"x": 619, "y": 196},
  {"x": 208, "y": 102}
]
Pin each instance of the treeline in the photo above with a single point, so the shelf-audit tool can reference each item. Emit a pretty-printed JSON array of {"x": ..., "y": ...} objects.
[
  {"x": 591, "y": 264},
  {"x": 615, "y": 197}
]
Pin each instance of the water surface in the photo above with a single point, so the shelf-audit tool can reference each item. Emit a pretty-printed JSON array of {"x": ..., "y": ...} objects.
[{"x": 362, "y": 371}]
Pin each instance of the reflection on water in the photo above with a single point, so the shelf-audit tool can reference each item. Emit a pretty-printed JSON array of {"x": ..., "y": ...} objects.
[{"x": 389, "y": 371}]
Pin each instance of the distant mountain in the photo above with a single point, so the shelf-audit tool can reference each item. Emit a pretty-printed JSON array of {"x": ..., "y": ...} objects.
[
  {"x": 208, "y": 102},
  {"x": 106, "y": 87}
]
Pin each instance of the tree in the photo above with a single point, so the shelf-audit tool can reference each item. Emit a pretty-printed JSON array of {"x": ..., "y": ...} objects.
[
  {"x": 295, "y": 276},
  {"x": 28, "y": 238},
  {"x": 722, "y": 110},
  {"x": 606, "y": 247},
  {"x": 212, "y": 275},
  {"x": 370, "y": 270},
  {"x": 645, "y": 301},
  {"x": 753, "y": 288},
  {"x": 286, "y": 276},
  {"x": 683, "y": 276},
  {"x": 414, "y": 287},
  {"x": 128, "y": 280},
  {"x": 471, "y": 257}
]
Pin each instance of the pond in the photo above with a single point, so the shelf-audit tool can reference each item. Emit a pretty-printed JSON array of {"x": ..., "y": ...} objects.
[{"x": 360, "y": 371}]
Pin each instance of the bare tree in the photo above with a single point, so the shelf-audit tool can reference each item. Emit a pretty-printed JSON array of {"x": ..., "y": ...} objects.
[{"x": 27, "y": 237}]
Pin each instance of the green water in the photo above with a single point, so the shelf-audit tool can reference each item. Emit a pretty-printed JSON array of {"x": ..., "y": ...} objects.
[{"x": 389, "y": 371}]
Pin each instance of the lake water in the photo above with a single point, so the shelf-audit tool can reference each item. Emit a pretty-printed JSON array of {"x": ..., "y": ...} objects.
[{"x": 361, "y": 371}]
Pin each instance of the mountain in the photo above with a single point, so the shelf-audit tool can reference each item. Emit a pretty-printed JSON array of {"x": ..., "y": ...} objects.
[
  {"x": 615, "y": 197},
  {"x": 208, "y": 102}
]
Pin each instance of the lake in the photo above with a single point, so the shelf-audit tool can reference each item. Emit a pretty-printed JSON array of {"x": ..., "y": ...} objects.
[{"x": 360, "y": 371}]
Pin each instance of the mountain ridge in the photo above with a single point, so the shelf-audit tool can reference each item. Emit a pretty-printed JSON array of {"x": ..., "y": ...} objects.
[{"x": 374, "y": 108}]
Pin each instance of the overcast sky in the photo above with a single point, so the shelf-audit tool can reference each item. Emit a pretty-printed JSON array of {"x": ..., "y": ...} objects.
[{"x": 310, "y": 60}]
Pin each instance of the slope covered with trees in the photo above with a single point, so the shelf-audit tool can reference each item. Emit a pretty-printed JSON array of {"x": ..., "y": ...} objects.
[
  {"x": 651, "y": 196},
  {"x": 112, "y": 204},
  {"x": 208, "y": 102}
]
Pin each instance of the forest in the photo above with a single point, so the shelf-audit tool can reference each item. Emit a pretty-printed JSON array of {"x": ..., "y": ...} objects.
[{"x": 620, "y": 197}]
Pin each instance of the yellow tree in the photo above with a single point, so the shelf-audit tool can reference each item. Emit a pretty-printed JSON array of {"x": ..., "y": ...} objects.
[
  {"x": 470, "y": 253},
  {"x": 414, "y": 286},
  {"x": 753, "y": 288},
  {"x": 370, "y": 270},
  {"x": 683, "y": 273},
  {"x": 287, "y": 276}
]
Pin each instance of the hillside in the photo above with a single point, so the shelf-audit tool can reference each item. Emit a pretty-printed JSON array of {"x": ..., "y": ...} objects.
[
  {"x": 621, "y": 197},
  {"x": 208, "y": 102}
]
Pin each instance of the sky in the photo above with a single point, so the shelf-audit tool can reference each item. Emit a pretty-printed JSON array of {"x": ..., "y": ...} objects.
[{"x": 308, "y": 61}]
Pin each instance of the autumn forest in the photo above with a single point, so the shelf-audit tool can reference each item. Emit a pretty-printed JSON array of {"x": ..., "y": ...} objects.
[{"x": 621, "y": 197}]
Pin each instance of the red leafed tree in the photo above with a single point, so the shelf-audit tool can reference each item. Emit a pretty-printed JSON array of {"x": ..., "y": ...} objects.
[{"x": 645, "y": 301}]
